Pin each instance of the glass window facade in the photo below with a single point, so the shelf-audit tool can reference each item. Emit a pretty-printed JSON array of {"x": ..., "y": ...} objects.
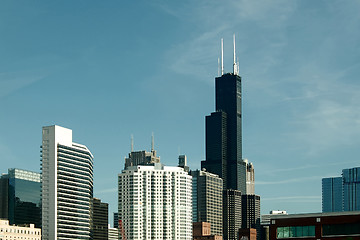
[
  {"x": 341, "y": 229},
  {"x": 295, "y": 232},
  {"x": 24, "y": 197},
  {"x": 351, "y": 180},
  {"x": 332, "y": 190}
]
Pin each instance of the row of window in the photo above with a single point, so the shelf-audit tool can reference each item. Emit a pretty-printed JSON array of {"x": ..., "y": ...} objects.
[
  {"x": 327, "y": 230},
  {"x": 20, "y": 231},
  {"x": 295, "y": 231}
]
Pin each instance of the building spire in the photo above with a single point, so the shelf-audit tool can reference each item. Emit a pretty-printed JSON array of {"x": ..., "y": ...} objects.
[
  {"x": 152, "y": 141},
  {"x": 222, "y": 56},
  {"x": 235, "y": 64},
  {"x": 219, "y": 67},
  {"x": 132, "y": 143}
]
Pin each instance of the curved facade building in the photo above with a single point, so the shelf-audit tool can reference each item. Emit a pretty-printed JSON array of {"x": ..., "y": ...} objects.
[{"x": 67, "y": 186}]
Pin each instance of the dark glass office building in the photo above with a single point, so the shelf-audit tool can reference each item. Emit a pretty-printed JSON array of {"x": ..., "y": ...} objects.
[
  {"x": 231, "y": 214},
  {"x": 23, "y": 204},
  {"x": 250, "y": 204},
  {"x": 351, "y": 189},
  {"x": 332, "y": 194},
  {"x": 100, "y": 216},
  {"x": 224, "y": 133}
]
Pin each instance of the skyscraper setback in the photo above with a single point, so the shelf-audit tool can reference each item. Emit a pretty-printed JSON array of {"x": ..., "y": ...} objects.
[{"x": 224, "y": 133}]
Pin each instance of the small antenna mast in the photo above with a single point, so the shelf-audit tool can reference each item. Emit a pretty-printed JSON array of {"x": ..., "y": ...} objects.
[
  {"x": 219, "y": 67},
  {"x": 152, "y": 141},
  {"x": 132, "y": 143},
  {"x": 222, "y": 56}
]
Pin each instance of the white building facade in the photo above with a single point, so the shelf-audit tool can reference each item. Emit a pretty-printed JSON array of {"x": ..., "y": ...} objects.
[
  {"x": 67, "y": 185},
  {"x": 18, "y": 232},
  {"x": 155, "y": 202}
]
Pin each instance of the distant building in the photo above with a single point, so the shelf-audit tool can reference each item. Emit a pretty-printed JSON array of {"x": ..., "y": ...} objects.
[
  {"x": 67, "y": 185},
  {"x": 332, "y": 225},
  {"x": 251, "y": 212},
  {"x": 248, "y": 234},
  {"x": 113, "y": 233},
  {"x": 116, "y": 220},
  {"x": 141, "y": 158},
  {"x": 8, "y": 231},
  {"x": 155, "y": 203},
  {"x": 183, "y": 163},
  {"x": 265, "y": 223},
  {"x": 351, "y": 189},
  {"x": 100, "y": 217},
  {"x": 20, "y": 198},
  {"x": 332, "y": 194},
  {"x": 265, "y": 219},
  {"x": 202, "y": 231},
  {"x": 231, "y": 214},
  {"x": 250, "y": 177},
  {"x": 341, "y": 193},
  {"x": 4, "y": 197},
  {"x": 208, "y": 200}
]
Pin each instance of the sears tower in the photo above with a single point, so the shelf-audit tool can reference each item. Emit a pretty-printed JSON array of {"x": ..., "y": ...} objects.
[{"x": 223, "y": 130}]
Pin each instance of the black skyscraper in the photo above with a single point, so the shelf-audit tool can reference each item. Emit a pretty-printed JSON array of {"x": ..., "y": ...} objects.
[
  {"x": 223, "y": 133},
  {"x": 99, "y": 219}
]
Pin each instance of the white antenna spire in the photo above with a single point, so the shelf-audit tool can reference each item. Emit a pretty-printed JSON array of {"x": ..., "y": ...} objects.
[
  {"x": 219, "y": 67},
  {"x": 132, "y": 143},
  {"x": 152, "y": 141},
  {"x": 235, "y": 65},
  {"x": 222, "y": 56}
]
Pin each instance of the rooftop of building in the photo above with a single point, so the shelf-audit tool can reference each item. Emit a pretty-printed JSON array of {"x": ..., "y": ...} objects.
[{"x": 307, "y": 215}]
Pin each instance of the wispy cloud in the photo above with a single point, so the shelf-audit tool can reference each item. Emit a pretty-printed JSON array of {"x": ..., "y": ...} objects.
[
  {"x": 307, "y": 166},
  {"x": 12, "y": 82},
  {"x": 294, "y": 199},
  {"x": 109, "y": 190},
  {"x": 198, "y": 55},
  {"x": 290, "y": 180}
]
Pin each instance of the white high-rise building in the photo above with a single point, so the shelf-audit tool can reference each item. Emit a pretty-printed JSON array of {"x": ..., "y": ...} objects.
[
  {"x": 155, "y": 202},
  {"x": 67, "y": 185}
]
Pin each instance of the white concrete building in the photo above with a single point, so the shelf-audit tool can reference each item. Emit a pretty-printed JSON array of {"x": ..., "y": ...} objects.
[
  {"x": 67, "y": 185},
  {"x": 18, "y": 232},
  {"x": 155, "y": 202},
  {"x": 113, "y": 233}
]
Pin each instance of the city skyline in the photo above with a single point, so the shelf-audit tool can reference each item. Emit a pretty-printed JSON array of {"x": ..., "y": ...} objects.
[{"x": 84, "y": 67}]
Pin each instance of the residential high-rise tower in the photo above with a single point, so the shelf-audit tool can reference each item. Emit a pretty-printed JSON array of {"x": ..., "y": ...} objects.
[
  {"x": 155, "y": 203},
  {"x": 67, "y": 186}
]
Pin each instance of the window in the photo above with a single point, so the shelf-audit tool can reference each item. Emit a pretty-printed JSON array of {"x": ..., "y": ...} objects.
[
  {"x": 295, "y": 231},
  {"x": 341, "y": 229}
]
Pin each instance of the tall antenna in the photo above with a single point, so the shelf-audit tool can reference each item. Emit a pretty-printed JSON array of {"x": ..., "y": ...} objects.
[
  {"x": 152, "y": 141},
  {"x": 219, "y": 67},
  {"x": 222, "y": 56},
  {"x": 132, "y": 143},
  {"x": 235, "y": 65}
]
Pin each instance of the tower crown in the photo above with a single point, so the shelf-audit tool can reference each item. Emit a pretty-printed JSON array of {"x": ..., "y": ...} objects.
[{"x": 235, "y": 63}]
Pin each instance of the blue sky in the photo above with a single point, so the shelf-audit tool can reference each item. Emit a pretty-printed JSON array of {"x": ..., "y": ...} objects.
[{"x": 109, "y": 69}]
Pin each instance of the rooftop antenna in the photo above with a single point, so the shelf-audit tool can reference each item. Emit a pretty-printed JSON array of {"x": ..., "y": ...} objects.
[
  {"x": 132, "y": 143},
  {"x": 222, "y": 56},
  {"x": 219, "y": 67},
  {"x": 235, "y": 65},
  {"x": 152, "y": 141}
]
